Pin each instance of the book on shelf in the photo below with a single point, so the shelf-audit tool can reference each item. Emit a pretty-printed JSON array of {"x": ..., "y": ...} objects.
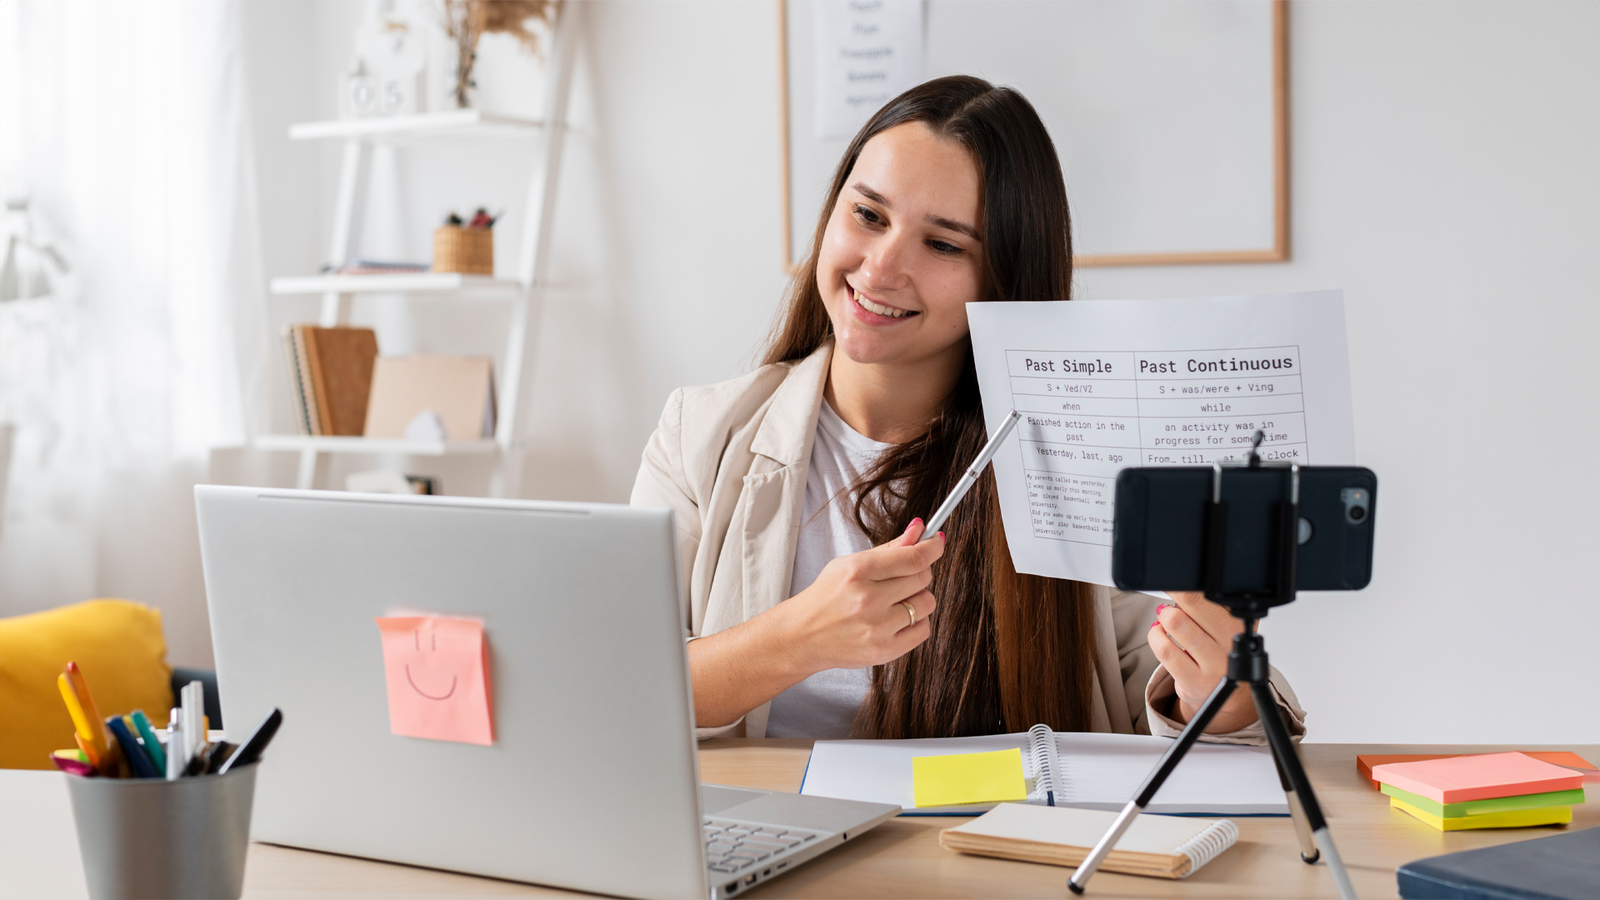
[
  {"x": 377, "y": 267},
  {"x": 305, "y": 416},
  {"x": 436, "y": 398},
  {"x": 383, "y": 481},
  {"x": 330, "y": 373}
]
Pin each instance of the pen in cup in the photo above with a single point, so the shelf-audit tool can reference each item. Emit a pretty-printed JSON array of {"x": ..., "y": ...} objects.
[
  {"x": 251, "y": 749},
  {"x": 152, "y": 744},
  {"x": 175, "y": 760},
  {"x": 92, "y": 735},
  {"x": 194, "y": 733},
  {"x": 138, "y": 760}
]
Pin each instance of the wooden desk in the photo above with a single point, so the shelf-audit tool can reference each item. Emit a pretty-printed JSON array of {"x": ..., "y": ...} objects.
[{"x": 901, "y": 858}]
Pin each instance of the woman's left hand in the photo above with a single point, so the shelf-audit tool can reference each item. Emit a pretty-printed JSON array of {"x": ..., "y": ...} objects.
[{"x": 1192, "y": 640}]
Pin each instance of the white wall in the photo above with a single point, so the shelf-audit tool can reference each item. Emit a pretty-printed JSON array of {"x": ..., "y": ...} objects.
[{"x": 1443, "y": 174}]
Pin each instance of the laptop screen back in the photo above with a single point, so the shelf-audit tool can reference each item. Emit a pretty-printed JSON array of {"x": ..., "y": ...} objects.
[{"x": 592, "y": 758}]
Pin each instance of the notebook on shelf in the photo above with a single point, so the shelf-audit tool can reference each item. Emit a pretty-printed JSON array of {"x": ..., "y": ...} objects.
[
  {"x": 457, "y": 390},
  {"x": 330, "y": 375},
  {"x": 1156, "y": 846},
  {"x": 1083, "y": 770}
]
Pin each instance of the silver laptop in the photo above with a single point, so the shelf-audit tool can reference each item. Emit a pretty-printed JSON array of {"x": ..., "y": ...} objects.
[{"x": 591, "y": 780}]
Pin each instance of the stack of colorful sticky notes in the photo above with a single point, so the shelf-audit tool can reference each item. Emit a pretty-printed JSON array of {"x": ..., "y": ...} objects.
[
  {"x": 1491, "y": 790},
  {"x": 1365, "y": 761}
]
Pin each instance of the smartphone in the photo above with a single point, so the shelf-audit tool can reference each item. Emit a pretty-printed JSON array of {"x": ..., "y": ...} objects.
[{"x": 1160, "y": 519}]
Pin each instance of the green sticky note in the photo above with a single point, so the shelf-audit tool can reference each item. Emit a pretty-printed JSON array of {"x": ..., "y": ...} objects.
[{"x": 968, "y": 778}]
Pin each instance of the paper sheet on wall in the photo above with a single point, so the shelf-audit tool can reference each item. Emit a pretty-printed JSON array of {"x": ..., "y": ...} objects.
[
  {"x": 867, "y": 52},
  {"x": 1108, "y": 384}
]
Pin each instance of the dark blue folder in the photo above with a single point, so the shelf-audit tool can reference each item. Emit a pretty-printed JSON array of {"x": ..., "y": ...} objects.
[{"x": 1560, "y": 867}]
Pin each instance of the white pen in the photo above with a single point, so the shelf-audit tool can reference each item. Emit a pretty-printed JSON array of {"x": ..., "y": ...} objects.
[
  {"x": 936, "y": 521},
  {"x": 194, "y": 727},
  {"x": 175, "y": 762}
]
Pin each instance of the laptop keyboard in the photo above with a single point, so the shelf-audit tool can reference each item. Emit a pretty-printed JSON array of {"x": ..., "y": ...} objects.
[{"x": 735, "y": 846}]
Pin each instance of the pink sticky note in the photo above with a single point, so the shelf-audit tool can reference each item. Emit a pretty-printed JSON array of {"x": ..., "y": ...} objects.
[
  {"x": 1482, "y": 776},
  {"x": 437, "y": 669}
]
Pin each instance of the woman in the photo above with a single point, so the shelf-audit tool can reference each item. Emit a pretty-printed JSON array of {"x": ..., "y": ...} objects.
[{"x": 812, "y": 610}]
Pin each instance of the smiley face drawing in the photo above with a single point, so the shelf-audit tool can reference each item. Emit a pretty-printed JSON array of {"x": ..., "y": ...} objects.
[
  {"x": 433, "y": 657},
  {"x": 436, "y": 669}
]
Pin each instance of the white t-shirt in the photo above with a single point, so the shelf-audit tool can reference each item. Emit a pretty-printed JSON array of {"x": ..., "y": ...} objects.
[{"x": 824, "y": 705}]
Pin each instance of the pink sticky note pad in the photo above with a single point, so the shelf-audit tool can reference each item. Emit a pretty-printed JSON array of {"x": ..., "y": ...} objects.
[
  {"x": 437, "y": 669},
  {"x": 1482, "y": 776}
]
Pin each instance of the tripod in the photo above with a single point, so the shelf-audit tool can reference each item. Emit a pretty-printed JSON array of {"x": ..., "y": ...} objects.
[{"x": 1247, "y": 664}]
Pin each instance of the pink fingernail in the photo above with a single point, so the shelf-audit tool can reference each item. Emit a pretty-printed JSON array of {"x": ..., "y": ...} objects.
[
  {"x": 1154, "y": 624},
  {"x": 1160, "y": 608},
  {"x": 941, "y": 535}
]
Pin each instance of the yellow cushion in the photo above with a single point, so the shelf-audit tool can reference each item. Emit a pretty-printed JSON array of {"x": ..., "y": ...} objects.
[{"x": 119, "y": 646}]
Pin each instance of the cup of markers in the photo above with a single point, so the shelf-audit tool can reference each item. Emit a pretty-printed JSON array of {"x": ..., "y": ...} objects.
[{"x": 159, "y": 813}]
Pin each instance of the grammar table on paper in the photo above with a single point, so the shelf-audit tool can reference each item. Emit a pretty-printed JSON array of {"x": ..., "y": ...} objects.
[{"x": 901, "y": 858}]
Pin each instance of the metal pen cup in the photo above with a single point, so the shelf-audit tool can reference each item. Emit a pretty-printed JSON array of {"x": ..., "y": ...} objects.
[{"x": 148, "y": 837}]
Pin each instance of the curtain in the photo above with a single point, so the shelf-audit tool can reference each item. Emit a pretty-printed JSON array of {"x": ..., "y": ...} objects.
[{"x": 127, "y": 125}]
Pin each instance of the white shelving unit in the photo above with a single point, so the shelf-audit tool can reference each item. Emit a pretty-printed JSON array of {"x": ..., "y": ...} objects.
[
  {"x": 304, "y": 443},
  {"x": 446, "y": 123},
  {"x": 525, "y": 291},
  {"x": 407, "y": 283}
]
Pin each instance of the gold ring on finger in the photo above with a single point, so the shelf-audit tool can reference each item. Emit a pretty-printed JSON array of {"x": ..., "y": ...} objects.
[{"x": 910, "y": 611}]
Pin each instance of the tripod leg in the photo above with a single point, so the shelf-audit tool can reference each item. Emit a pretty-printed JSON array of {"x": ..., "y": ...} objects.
[
  {"x": 1289, "y": 762},
  {"x": 1302, "y": 828},
  {"x": 1152, "y": 783}
]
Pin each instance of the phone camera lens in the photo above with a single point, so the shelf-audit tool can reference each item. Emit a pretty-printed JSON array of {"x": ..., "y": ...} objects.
[{"x": 1357, "y": 503}]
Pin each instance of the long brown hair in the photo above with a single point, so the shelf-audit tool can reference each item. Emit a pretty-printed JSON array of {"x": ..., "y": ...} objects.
[{"x": 1007, "y": 651}]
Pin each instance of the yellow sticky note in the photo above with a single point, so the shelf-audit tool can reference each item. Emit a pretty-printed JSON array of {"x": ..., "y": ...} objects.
[{"x": 968, "y": 778}]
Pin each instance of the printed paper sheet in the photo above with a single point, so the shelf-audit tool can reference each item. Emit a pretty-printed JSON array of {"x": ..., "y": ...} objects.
[
  {"x": 867, "y": 52},
  {"x": 1108, "y": 384}
]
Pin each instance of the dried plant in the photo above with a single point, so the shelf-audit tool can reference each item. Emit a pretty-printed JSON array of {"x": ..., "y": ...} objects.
[{"x": 464, "y": 21}]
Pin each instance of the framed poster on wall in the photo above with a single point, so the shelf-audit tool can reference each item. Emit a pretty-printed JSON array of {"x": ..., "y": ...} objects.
[{"x": 1170, "y": 116}]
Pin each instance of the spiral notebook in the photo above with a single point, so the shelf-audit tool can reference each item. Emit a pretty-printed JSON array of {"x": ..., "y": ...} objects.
[
  {"x": 1084, "y": 770},
  {"x": 1158, "y": 846}
]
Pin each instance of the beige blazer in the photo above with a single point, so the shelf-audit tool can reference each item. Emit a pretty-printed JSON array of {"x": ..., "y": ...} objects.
[{"x": 730, "y": 460}]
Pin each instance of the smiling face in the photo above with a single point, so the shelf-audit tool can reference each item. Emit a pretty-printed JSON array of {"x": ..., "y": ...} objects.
[{"x": 903, "y": 254}]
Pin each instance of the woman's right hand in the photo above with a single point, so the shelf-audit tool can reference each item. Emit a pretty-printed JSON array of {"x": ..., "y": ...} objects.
[{"x": 853, "y": 616}]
